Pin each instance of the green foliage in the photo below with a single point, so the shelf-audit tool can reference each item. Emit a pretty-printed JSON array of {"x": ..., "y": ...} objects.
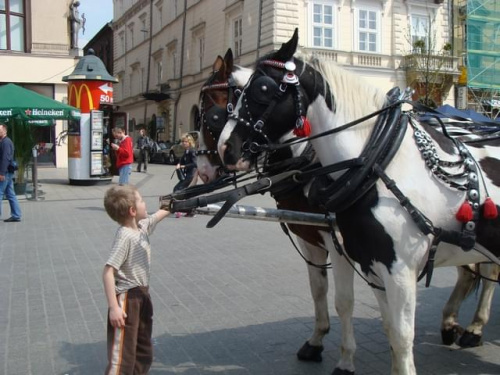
[{"x": 22, "y": 137}]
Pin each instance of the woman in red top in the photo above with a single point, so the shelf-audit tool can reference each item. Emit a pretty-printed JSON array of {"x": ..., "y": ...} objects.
[{"x": 124, "y": 155}]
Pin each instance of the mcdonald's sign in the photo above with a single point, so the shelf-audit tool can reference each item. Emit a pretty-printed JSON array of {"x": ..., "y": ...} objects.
[{"x": 89, "y": 95}]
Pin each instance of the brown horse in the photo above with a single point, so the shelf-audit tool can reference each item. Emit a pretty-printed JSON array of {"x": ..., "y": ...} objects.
[{"x": 217, "y": 99}]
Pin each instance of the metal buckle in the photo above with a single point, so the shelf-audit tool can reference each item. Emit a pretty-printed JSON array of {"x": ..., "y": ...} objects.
[{"x": 258, "y": 126}]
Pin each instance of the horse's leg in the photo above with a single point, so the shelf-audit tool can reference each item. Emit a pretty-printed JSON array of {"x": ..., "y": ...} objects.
[
  {"x": 450, "y": 328},
  {"x": 473, "y": 334},
  {"x": 398, "y": 313},
  {"x": 343, "y": 275},
  {"x": 318, "y": 282}
]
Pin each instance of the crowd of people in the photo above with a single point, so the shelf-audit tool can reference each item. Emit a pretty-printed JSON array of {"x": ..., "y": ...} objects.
[{"x": 122, "y": 146}]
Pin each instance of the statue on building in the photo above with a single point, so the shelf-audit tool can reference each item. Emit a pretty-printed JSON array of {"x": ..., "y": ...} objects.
[{"x": 76, "y": 22}]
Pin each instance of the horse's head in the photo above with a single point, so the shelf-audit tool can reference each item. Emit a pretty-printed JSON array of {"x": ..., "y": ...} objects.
[
  {"x": 273, "y": 104},
  {"x": 218, "y": 97}
]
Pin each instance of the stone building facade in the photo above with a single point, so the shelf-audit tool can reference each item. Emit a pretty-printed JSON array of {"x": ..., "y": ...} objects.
[
  {"x": 164, "y": 49},
  {"x": 35, "y": 52}
]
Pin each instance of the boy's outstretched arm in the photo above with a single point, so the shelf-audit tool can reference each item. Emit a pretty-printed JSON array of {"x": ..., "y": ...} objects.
[
  {"x": 161, "y": 214},
  {"x": 116, "y": 315}
]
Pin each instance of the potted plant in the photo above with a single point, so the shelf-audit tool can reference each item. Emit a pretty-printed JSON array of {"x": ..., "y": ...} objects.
[
  {"x": 22, "y": 137},
  {"x": 419, "y": 46},
  {"x": 447, "y": 49}
]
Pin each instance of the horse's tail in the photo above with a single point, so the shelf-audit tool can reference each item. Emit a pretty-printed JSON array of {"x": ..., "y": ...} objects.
[{"x": 476, "y": 283}]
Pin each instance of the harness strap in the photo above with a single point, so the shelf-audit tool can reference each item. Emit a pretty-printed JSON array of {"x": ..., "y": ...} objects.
[
  {"x": 325, "y": 266},
  {"x": 341, "y": 252},
  {"x": 423, "y": 223}
]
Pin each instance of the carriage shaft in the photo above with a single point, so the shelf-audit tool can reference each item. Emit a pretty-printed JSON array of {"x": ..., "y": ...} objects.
[{"x": 267, "y": 214}]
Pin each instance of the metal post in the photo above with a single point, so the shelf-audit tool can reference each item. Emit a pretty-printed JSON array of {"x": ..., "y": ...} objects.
[{"x": 35, "y": 172}]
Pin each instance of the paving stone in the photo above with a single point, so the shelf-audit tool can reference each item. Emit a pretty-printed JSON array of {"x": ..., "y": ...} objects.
[{"x": 232, "y": 300}]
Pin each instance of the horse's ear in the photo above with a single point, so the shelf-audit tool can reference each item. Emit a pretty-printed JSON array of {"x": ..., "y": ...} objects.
[
  {"x": 218, "y": 64},
  {"x": 228, "y": 61},
  {"x": 288, "y": 49}
]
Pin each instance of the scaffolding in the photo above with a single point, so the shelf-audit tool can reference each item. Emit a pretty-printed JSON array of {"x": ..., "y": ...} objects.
[{"x": 478, "y": 30}]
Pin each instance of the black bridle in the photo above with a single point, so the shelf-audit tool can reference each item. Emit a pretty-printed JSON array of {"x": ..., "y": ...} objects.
[
  {"x": 289, "y": 80},
  {"x": 214, "y": 117}
]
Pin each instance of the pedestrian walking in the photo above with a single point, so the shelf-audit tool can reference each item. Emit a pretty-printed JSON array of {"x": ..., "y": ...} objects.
[
  {"x": 124, "y": 155},
  {"x": 144, "y": 147},
  {"x": 7, "y": 169},
  {"x": 126, "y": 282}
]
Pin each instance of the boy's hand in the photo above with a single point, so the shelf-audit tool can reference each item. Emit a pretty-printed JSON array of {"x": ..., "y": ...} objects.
[{"x": 117, "y": 317}]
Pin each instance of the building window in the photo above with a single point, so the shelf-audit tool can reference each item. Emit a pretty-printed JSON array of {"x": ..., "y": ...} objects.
[
  {"x": 237, "y": 36},
  {"x": 323, "y": 25},
  {"x": 159, "y": 71},
  {"x": 131, "y": 36},
  {"x": 173, "y": 58},
  {"x": 201, "y": 52},
  {"x": 12, "y": 25},
  {"x": 368, "y": 30},
  {"x": 420, "y": 30},
  {"x": 159, "y": 17},
  {"x": 121, "y": 37},
  {"x": 144, "y": 80},
  {"x": 144, "y": 31}
]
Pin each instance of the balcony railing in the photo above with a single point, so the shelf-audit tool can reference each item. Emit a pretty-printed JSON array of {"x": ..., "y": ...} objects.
[
  {"x": 353, "y": 58},
  {"x": 431, "y": 62}
]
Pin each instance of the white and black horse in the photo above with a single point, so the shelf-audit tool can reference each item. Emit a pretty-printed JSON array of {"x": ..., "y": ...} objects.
[
  {"x": 406, "y": 198},
  {"x": 217, "y": 100}
]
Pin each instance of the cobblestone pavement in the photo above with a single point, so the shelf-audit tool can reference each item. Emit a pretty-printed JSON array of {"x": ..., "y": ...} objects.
[{"x": 229, "y": 300}]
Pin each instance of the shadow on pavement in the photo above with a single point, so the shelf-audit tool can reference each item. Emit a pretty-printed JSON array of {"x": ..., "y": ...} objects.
[{"x": 270, "y": 348}]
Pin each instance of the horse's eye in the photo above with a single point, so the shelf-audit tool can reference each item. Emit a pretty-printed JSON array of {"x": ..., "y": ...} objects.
[
  {"x": 263, "y": 88},
  {"x": 215, "y": 118}
]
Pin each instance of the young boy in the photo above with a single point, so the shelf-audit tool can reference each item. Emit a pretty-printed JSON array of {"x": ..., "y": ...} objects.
[
  {"x": 126, "y": 280},
  {"x": 124, "y": 155}
]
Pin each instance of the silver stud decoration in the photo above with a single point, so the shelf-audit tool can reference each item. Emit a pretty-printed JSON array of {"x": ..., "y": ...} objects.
[
  {"x": 470, "y": 225},
  {"x": 473, "y": 194},
  {"x": 290, "y": 66}
]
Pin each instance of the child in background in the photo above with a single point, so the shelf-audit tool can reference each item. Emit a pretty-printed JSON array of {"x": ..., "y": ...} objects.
[
  {"x": 124, "y": 155},
  {"x": 126, "y": 282}
]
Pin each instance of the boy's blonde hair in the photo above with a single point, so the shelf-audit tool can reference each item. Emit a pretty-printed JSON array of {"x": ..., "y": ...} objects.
[
  {"x": 189, "y": 138},
  {"x": 118, "y": 200}
]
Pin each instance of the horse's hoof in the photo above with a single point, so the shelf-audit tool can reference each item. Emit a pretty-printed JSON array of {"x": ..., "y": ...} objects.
[
  {"x": 449, "y": 336},
  {"x": 310, "y": 353},
  {"x": 470, "y": 340},
  {"x": 339, "y": 371}
]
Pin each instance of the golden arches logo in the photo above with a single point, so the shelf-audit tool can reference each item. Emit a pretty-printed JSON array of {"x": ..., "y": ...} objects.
[{"x": 75, "y": 96}]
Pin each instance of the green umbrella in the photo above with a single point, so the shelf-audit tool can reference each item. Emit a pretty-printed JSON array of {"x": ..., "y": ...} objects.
[
  {"x": 23, "y": 108},
  {"x": 19, "y": 103}
]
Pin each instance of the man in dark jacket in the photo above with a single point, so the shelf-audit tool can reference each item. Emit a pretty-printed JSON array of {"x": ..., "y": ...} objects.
[
  {"x": 7, "y": 175},
  {"x": 144, "y": 146}
]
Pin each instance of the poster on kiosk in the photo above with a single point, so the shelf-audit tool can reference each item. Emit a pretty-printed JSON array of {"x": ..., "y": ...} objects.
[{"x": 96, "y": 143}]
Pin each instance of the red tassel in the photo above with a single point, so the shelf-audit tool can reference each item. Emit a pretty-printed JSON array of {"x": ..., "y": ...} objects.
[
  {"x": 490, "y": 210},
  {"x": 464, "y": 213},
  {"x": 303, "y": 128}
]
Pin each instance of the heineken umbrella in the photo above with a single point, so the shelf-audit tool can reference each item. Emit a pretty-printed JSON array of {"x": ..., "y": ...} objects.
[
  {"x": 26, "y": 108},
  {"x": 19, "y": 103}
]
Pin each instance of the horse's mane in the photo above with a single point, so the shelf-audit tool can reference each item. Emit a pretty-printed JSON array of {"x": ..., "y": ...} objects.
[{"x": 354, "y": 96}]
